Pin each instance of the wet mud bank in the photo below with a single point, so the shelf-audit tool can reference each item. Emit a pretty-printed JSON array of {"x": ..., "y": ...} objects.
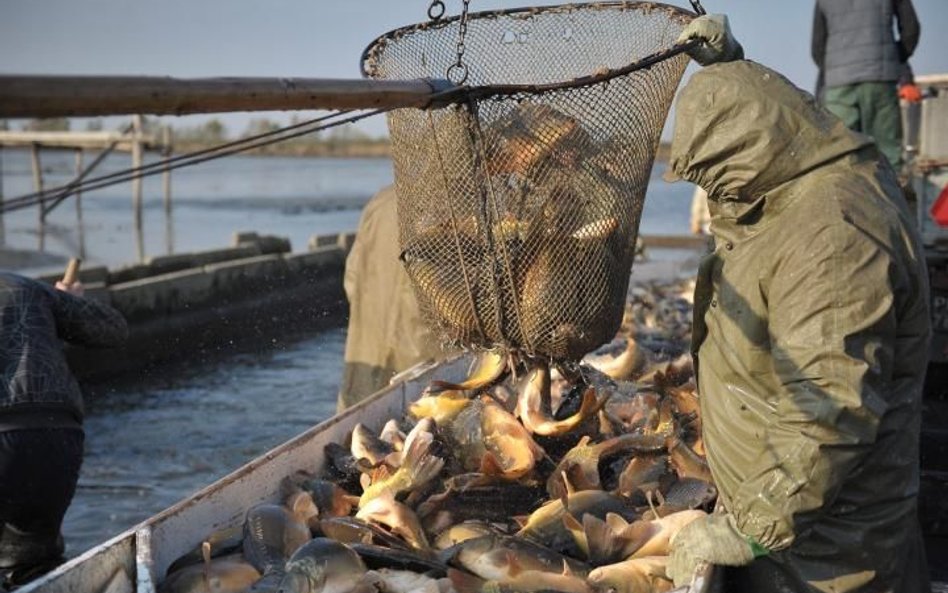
[{"x": 209, "y": 304}]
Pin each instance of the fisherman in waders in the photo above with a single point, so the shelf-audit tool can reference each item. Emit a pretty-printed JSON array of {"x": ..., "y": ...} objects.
[
  {"x": 386, "y": 333},
  {"x": 41, "y": 411},
  {"x": 862, "y": 63},
  {"x": 810, "y": 339}
]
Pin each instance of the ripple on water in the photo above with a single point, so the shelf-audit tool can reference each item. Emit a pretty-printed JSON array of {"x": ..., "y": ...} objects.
[{"x": 151, "y": 443}]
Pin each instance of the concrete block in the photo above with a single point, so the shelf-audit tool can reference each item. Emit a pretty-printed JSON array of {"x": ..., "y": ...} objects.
[
  {"x": 318, "y": 259},
  {"x": 162, "y": 295},
  {"x": 262, "y": 273},
  {"x": 317, "y": 241}
]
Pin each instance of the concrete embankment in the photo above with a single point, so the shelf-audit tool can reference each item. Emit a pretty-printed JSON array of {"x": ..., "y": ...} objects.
[{"x": 198, "y": 305}]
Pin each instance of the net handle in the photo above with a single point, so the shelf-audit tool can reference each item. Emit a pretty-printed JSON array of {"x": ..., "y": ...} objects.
[{"x": 699, "y": 10}]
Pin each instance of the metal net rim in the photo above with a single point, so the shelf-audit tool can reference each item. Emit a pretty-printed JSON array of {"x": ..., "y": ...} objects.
[{"x": 451, "y": 93}]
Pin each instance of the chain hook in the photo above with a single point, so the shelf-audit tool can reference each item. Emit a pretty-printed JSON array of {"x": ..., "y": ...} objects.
[
  {"x": 459, "y": 68},
  {"x": 699, "y": 10},
  {"x": 436, "y": 10}
]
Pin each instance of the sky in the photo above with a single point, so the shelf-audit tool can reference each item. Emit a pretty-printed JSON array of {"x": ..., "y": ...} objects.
[{"x": 325, "y": 38}]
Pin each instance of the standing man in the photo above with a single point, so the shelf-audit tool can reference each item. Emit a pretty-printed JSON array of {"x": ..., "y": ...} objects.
[
  {"x": 386, "y": 332},
  {"x": 860, "y": 61},
  {"x": 41, "y": 412},
  {"x": 810, "y": 340}
]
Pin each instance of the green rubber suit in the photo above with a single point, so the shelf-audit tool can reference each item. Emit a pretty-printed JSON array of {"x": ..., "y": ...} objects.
[
  {"x": 811, "y": 336},
  {"x": 386, "y": 333}
]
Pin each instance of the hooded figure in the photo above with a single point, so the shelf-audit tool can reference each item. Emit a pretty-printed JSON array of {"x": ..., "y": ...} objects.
[
  {"x": 386, "y": 333},
  {"x": 811, "y": 336}
]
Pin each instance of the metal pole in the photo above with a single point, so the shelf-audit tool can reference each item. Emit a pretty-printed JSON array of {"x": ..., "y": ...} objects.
[
  {"x": 79, "y": 226},
  {"x": 166, "y": 182},
  {"x": 38, "y": 186},
  {"x": 137, "y": 187}
]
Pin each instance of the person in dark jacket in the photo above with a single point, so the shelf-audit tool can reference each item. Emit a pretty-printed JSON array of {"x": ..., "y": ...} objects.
[
  {"x": 860, "y": 63},
  {"x": 41, "y": 411}
]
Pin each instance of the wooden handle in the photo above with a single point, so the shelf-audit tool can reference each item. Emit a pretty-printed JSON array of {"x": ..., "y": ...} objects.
[{"x": 72, "y": 271}]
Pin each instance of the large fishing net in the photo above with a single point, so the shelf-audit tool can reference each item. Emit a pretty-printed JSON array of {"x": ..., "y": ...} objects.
[{"x": 519, "y": 203}]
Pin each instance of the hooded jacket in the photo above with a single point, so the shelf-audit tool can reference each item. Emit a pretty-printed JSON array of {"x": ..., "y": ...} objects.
[
  {"x": 35, "y": 381},
  {"x": 386, "y": 333},
  {"x": 811, "y": 334}
]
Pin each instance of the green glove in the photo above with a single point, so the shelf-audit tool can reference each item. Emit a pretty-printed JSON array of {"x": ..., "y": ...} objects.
[
  {"x": 719, "y": 45},
  {"x": 713, "y": 539}
]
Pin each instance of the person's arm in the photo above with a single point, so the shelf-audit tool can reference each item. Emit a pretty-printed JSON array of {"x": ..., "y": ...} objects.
[
  {"x": 833, "y": 325},
  {"x": 717, "y": 42},
  {"x": 818, "y": 41},
  {"x": 87, "y": 322},
  {"x": 909, "y": 28}
]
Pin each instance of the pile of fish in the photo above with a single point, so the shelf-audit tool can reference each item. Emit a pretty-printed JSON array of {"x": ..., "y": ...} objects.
[{"x": 522, "y": 477}]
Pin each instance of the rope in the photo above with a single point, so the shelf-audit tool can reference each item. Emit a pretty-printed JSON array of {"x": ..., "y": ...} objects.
[{"x": 187, "y": 159}]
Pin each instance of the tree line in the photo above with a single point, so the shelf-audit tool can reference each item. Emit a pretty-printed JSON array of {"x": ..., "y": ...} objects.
[{"x": 344, "y": 140}]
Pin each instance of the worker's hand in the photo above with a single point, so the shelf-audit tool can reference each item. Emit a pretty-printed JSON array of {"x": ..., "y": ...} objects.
[
  {"x": 910, "y": 92},
  {"x": 713, "y": 539},
  {"x": 719, "y": 45},
  {"x": 75, "y": 289}
]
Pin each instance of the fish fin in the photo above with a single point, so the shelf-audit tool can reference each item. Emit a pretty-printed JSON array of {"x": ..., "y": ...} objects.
[
  {"x": 567, "y": 571},
  {"x": 420, "y": 464},
  {"x": 602, "y": 542},
  {"x": 651, "y": 504},
  {"x": 365, "y": 480},
  {"x": 616, "y": 522},
  {"x": 514, "y": 567},
  {"x": 575, "y": 529},
  {"x": 636, "y": 535},
  {"x": 490, "y": 466},
  {"x": 206, "y": 552},
  {"x": 570, "y": 489},
  {"x": 303, "y": 506},
  {"x": 521, "y": 520},
  {"x": 464, "y": 582}
]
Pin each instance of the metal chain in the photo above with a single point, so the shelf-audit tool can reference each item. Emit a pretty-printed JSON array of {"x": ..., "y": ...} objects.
[
  {"x": 457, "y": 72},
  {"x": 436, "y": 10},
  {"x": 696, "y": 4}
]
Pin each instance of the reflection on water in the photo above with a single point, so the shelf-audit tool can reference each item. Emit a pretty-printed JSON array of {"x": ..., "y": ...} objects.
[{"x": 153, "y": 442}]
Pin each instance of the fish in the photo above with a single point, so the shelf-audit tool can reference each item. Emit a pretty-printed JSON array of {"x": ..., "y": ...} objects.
[
  {"x": 463, "y": 531},
  {"x": 377, "y": 557},
  {"x": 441, "y": 407},
  {"x": 419, "y": 467},
  {"x": 392, "y": 434},
  {"x": 632, "y": 360},
  {"x": 478, "y": 497},
  {"x": 535, "y": 409},
  {"x": 686, "y": 462},
  {"x": 350, "y": 530},
  {"x": 491, "y": 366},
  {"x": 323, "y": 566},
  {"x": 580, "y": 465},
  {"x": 637, "y": 575},
  {"x": 545, "y": 525},
  {"x": 227, "y": 574},
  {"x": 366, "y": 445},
  {"x": 521, "y": 581},
  {"x": 398, "y": 518},
  {"x": 386, "y": 580},
  {"x": 607, "y": 541},
  {"x": 688, "y": 493},
  {"x": 330, "y": 499},
  {"x": 223, "y": 542},
  {"x": 643, "y": 473},
  {"x": 500, "y": 557},
  {"x": 663, "y": 530},
  {"x": 453, "y": 309},
  {"x": 272, "y": 533},
  {"x": 491, "y": 441}
]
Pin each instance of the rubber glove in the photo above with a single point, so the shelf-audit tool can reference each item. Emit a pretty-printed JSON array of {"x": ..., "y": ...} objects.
[
  {"x": 910, "y": 92},
  {"x": 713, "y": 539},
  {"x": 719, "y": 45}
]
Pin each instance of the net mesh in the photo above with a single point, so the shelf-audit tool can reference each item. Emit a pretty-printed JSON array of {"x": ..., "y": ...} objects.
[{"x": 518, "y": 211}]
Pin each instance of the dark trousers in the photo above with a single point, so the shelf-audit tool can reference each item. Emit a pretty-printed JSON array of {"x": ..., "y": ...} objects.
[{"x": 39, "y": 468}]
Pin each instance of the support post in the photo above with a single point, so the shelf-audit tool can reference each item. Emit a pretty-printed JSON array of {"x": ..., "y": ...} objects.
[
  {"x": 137, "y": 187},
  {"x": 38, "y": 186},
  {"x": 80, "y": 229},
  {"x": 167, "y": 151}
]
